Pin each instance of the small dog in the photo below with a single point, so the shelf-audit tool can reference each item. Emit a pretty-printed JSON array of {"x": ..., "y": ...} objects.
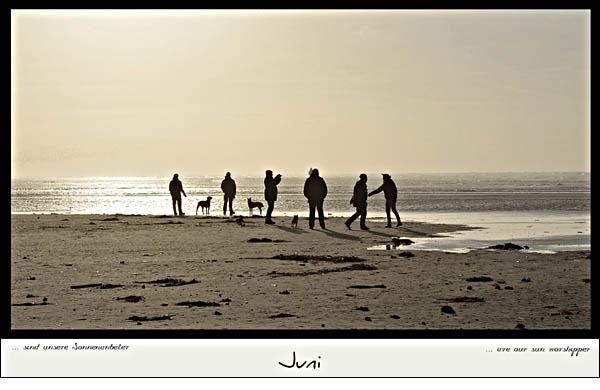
[
  {"x": 295, "y": 222},
  {"x": 252, "y": 205},
  {"x": 205, "y": 204}
]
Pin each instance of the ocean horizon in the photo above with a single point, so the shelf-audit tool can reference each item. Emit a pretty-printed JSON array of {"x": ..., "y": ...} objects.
[{"x": 443, "y": 192}]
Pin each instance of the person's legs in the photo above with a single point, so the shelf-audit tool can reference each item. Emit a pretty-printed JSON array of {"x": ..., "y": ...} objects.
[
  {"x": 271, "y": 204},
  {"x": 311, "y": 214},
  {"x": 225, "y": 198},
  {"x": 179, "y": 205},
  {"x": 363, "y": 218},
  {"x": 352, "y": 218},
  {"x": 231, "y": 206},
  {"x": 396, "y": 213},
  {"x": 321, "y": 215},
  {"x": 174, "y": 200},
  {"x": 387, "y": 212}
]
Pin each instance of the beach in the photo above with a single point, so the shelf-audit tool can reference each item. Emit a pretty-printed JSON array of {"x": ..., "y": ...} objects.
[{"x": 107, "y": 271}]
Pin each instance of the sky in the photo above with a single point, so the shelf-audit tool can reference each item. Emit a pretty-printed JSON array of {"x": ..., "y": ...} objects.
[{"x": 149, "y": 93}]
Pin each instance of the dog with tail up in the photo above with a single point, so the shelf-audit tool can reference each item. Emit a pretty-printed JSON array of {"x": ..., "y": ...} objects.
[
  {"x": 252, "y": 205},
  {"x": 205, "y": 204}
]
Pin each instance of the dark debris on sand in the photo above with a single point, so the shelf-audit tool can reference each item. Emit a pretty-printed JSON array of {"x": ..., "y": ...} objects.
[
  {"x": 131, "y": 298},
  {"x": 92, "y": 285},
  {"x": 507, "y": 246},
  {"x": 480, "y": 279},
  {"x": 170, "y": 282},
  {"x": 402, "y": 241},
  {"x": 353, "y": 267},
  {"x": 265, "y": 240},
  {"x": 406, "y": 254},
  {"x": 331, "y": 259},
  {"x": 448, "y": 309},
  {"x": 197, "y": 304},
  {"x": 283, "y": 315},
  {"x": 108, "y": 285},
  {"x": 97, "y": 285},
  {"x": 239, "y": 220},
  {"x": 367, "y": 286},
  {"x": 465, "y": 299},
  {"x": 44, "y": 303},
  {"x": 144, "y": 318},
  {"x": 520, "y": 326}
]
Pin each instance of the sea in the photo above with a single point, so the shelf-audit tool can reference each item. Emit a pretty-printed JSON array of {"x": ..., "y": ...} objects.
[{"x": 546, "y": 211}]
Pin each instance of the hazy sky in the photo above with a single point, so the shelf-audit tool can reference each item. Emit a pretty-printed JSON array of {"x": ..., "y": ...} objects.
[{"x": 203, "y": 92}]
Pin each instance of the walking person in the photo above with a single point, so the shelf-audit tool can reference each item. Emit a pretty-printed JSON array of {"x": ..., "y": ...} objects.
[
  {"x": 315, "y": 190},
  {"x": 228, "y": 188},
  {"x": 359, "y": 200},
  {"x": 391, "y": 194},
  {"x": 271, "y": 194},
  {"x": 176, "y": 189}
]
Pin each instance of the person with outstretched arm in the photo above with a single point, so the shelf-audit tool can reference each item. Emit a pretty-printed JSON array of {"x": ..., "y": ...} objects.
[
  {"x": 359, "y": 200},
  {"x": 271, "y": 193},
  {"x": 391, "y": 195},
  {"x": 176, "y": 189},
  {"x": 315, "y": 190}
]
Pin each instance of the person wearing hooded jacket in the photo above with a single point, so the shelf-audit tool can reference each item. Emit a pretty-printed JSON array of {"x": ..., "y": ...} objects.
[
  {"x": 391, "y": 195},
  {"x": 271, "y": 193},
  {"x": 229, "y": 189},
  {"x": 315, "y": 190},
  {"x": 359, "y": 200}
]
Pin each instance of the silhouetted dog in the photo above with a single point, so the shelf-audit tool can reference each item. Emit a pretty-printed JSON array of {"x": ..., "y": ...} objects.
[
  {"x": 205, "y": 204},
  {"x": 252, "y": 205},
  {"x": 295, "y": 221}
]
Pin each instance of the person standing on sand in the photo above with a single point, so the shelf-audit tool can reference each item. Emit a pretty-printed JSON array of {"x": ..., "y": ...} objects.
[
  {"x": 271, "y": 194},
  {"x": 228, "y": 188},
  {"x": 359, "y": 200},
  {"x": 176, "y": 189},
  {"x": 315, "y": 190},
  {"x": 391, "y": 194}
]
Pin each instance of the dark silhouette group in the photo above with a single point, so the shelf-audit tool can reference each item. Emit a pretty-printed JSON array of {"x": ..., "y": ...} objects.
[{"x": 315, "y": 191}]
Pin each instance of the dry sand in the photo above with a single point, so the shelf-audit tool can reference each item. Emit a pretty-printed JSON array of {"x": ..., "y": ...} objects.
[{"x": 246, "y": 288}]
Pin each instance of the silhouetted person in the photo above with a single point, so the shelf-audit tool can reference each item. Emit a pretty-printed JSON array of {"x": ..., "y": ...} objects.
[
  {"x": 359, "y": 200},
  {"x": 391, "y": 194},
  {"x": 315, "y": 190},
  {"x": 176, "y": 189},
  {"x": 271, "y": 194},
  {"x": 228, "y": 188}
]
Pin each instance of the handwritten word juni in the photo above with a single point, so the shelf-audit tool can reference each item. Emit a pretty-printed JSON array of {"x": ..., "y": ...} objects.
[{"x": 296, "y": 364}]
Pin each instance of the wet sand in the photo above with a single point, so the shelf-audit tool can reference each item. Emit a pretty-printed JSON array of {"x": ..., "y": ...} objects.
[{"x": 195, "y": 272}]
